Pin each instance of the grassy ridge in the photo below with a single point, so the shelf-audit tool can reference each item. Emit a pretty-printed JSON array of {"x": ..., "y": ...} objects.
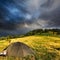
[{"x": 45, "y": 47}]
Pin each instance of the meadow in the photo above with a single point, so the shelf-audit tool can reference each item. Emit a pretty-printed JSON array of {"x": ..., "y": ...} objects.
[{"x": 45, "y": 47}]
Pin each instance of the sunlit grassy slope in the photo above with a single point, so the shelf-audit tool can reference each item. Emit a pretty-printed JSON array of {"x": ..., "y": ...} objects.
[{"x": 45, "y": 47}]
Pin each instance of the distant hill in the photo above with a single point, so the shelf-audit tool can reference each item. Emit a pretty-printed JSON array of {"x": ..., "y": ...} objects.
[{"x": 44, "y": 32}]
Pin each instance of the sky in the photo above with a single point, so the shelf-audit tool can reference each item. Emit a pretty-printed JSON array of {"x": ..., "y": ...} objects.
[{"x": 21, "y": 16}]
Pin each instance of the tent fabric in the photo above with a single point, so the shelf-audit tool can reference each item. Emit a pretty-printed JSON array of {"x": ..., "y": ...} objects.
[{"x": 18, "y": 49}]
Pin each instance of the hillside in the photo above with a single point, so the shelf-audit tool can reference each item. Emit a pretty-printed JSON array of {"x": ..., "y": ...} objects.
[
  {"x": 45, "y": 47},
  {"x": 43, "y": 32}
]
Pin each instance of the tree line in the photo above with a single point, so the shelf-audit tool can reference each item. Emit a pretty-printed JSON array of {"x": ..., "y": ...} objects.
[
  {"x": 34, "y": 32},
  {"x": 44, "y": 31}
]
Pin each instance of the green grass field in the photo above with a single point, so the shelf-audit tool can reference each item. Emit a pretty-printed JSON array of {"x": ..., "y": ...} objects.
[{"x": 45, "y": 47}]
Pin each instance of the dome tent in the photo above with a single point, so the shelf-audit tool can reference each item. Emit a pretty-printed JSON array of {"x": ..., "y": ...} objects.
[{"x": 18, "y": 49}]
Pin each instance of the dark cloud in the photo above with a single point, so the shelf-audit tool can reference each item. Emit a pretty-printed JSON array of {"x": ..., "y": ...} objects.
[
  {"x": 25, "y": 15},
  {"x": 53, "y": 17}
]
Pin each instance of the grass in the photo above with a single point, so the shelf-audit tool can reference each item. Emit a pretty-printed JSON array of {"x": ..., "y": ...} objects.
[{"x": 45, "y": 47}]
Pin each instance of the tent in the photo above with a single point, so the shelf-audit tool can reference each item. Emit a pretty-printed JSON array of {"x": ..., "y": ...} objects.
[{"x": 18, "y": 49}]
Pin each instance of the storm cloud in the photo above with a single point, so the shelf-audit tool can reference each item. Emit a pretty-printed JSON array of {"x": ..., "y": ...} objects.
[{"x": 18, "y": 15}]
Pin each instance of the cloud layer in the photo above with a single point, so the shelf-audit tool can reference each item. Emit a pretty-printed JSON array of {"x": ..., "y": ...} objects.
[{"x": 17, "y": 15}]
